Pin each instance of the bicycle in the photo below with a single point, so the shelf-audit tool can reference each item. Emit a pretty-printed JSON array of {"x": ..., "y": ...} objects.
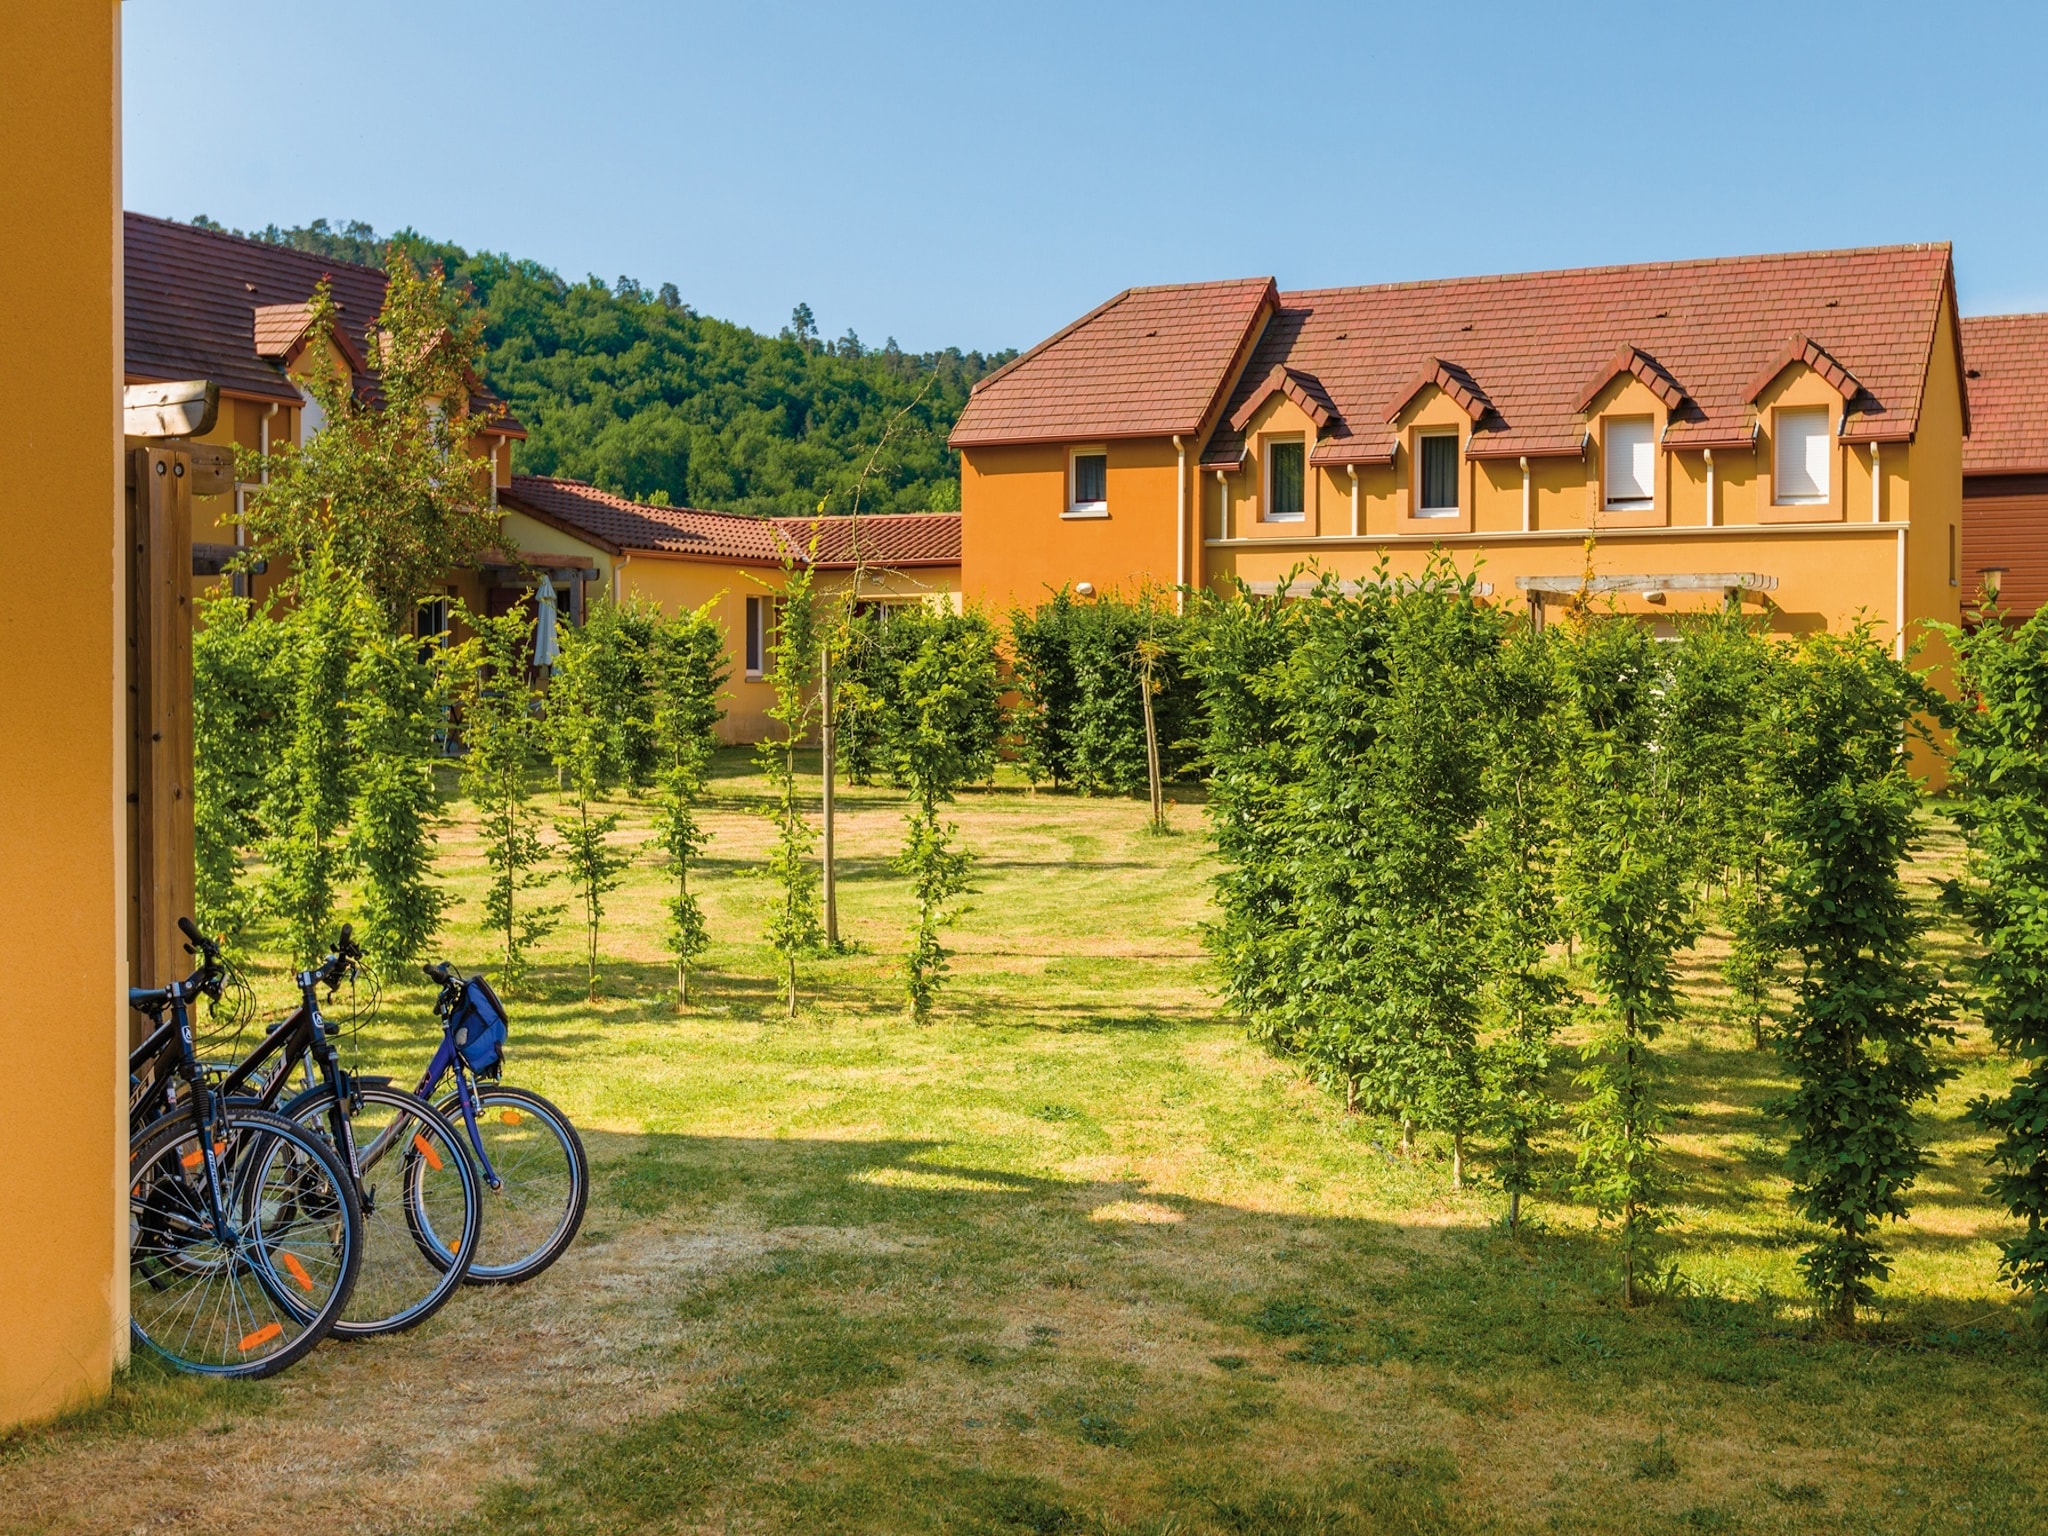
[
  {"x": 530, "y": 1155},
  {"x": 244, "y": 1235},
  {"x": 417, "y": 1246}
]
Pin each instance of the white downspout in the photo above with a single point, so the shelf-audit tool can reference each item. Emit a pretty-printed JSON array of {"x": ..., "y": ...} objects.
[
  {"x": 619, "y": 578},
  {"x": 1180, "y": 526},
  {"x": 1355, "y": 529},
  {"x": 1710, "y": 485},
  {"x": 1222, "y": 506},
  {"x": 1876, "y": 486},
  {"x": 1899, "y": 636},
  {"x": 1528, "y": 505}
]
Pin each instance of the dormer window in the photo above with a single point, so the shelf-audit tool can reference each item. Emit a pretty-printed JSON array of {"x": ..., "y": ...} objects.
[
  {"x": 1438, "y": 456},
  {"x": 1630, "y": 467},
  {"x": 1801, "y": 472},
  {"x": 1088, "y": 483},
  {"x": 1286, "y": 461}
]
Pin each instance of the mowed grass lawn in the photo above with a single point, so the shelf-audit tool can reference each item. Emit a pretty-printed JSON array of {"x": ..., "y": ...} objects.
[{"x": 1078, "y": 1258}]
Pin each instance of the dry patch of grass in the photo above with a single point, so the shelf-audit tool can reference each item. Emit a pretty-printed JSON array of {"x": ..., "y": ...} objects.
[{"x": 1077, "y": 1258}]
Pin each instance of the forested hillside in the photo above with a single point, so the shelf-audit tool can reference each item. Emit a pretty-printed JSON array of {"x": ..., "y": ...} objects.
[{"x": 632, "y": 389}]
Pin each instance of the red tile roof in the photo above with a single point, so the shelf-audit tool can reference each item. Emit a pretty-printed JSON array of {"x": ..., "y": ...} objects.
[
  {"x": 618, "y": 526},
  {"x": 893, "y": 539},
  {"x": 1149, "y": 363},
  {"x": 1529, "y": 342},
  {"x": 2007, "y": 358},
  {"x": 1520, "y": 348},
  {"x": 193, "y": 294},
  {"x": 205, "y": 304}
]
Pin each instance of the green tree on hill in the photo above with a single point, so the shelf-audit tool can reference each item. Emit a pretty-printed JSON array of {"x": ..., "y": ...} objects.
[{"x": 636, "y": 391}]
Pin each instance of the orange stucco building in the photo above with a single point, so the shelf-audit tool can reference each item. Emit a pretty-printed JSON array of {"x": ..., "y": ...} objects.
[
  {"x": 63, "y": 943},
  {"x": 1784, "y": 429}
]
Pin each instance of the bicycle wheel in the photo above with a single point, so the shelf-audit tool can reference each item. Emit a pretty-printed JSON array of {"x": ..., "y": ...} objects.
[
  {"x": 543, "y": 1182},
  {"x": 253, "y": 1296},
  {"x": 422, "y": 1207}
]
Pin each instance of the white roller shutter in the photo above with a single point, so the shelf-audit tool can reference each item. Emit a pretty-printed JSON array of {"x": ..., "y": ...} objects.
[
  {"x": 1802, "y": 472},
  {"x": 1631, "y": 462}
]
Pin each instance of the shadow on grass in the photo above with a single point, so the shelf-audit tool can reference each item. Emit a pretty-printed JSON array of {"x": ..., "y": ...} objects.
[{"x": 906, "y": 1353}]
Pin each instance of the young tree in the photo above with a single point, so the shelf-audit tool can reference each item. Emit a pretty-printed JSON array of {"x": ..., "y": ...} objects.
[
  {"x": 1720, "y": 675},
  {"x": 1243, "y": 654},
  {"x": 1867, "y": 1010},
  {"x": 395, "y": 699},
  {"x": 582, "y": 736},
  {"x": 794, "y": 921},
  {"x": 1042, "y": 640},
  {"x": 501, "y": 740},
  {"x": 239, "y": 709},
  {"x": 312, "y": 782},
  {"x": 387, "y": 489},
  {"x": 688, "y": 669},
  {"x": 2001, "y": 780},
  {"x": 1623, "y": 879},
  {"x": 943, "y": 734},
  {"x": 1423, "y": 780},
  {"x": 1518, "y": 851}
]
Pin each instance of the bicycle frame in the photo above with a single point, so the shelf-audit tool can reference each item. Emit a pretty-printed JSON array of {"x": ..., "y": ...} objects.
[
  {"x": 448, "y": 1059},
  {"x": 205, "y": 1107}
]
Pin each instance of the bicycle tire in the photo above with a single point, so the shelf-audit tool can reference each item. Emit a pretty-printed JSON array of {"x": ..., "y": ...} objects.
[
  {"x": 417, "y": 1250},
  {"x": 255, "y": 1301},
  {"x": 523, "y": 1234}
]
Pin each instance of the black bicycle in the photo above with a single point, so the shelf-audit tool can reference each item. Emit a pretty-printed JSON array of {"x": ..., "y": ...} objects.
[
  {"x": 421, "y": 1200},
  {"x": 244, "y": 1234}
]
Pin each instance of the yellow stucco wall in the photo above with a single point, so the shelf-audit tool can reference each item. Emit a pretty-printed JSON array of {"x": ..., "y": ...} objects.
[
  {"x": 63, "y": 1226},
  {"x": 681, "y": 585}
]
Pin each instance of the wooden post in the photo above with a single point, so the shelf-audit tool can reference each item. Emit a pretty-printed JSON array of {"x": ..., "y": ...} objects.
[
  {"x": 826, "y": 744},
  {"x": 160, "y": 854}
]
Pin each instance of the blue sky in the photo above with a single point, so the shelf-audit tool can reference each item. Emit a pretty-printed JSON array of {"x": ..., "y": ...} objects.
[{"x": 973, "y": 175}]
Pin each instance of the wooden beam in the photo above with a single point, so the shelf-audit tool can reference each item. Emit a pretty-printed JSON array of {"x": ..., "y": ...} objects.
[
  {"x": 184, "y": 408},
  {"x": 160, "y": 867},
  {"x": 1734, "y": 581}
]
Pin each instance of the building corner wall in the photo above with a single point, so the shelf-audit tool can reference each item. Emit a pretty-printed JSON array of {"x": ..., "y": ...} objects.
[{"x": 63, "y": 1225}]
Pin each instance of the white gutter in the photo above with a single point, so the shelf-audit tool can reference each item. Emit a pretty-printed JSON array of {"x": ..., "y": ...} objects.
[
  {"x": 1353, "y": 468},
  {"x": 1528, "y": 507},
  {"x": 1876, "y": 486},
  {"x": 1709, "y": 453},
  {"x": 619, "y": 580},
  {"x": 1899, "y": 634},
  {"x": 1180, "y": 526}
]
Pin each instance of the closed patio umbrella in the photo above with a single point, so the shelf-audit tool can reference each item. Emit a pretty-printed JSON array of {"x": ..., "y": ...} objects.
[{"x": 545, "y": 648}]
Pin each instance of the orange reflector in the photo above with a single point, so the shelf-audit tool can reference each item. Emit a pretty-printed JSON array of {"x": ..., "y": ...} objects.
[
  {"x": 433, "y": 1158},
  {"x": 510, "y": 1116},
  {"x": 291, "y": 1262},
  {"x": 261, "y": 1336}
]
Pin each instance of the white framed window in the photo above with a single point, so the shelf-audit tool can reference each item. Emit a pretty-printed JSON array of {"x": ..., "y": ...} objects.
[
  {"x": 757, "y": 638},
  {"x": 1800, "y": 474},
  {"x": 1630, "y": 467},
  {"x": 312, "y": 417},
  {"x": 1286, "y": 480},
  {"x": 1088, "y": 483},
  {"x": 1436, "y": 455}
]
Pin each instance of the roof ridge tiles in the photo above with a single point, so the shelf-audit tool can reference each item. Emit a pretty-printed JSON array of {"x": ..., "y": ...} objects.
[
  {"x": 238, "y": 238},
  {"x": 1666, "y": 265}
]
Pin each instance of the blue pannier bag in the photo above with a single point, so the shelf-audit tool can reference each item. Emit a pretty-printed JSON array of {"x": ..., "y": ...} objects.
[{"x": 479, "y": 1026}]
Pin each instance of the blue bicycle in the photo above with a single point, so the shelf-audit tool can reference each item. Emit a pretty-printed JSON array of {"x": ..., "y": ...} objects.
[{"x": 536, "y": 1172}]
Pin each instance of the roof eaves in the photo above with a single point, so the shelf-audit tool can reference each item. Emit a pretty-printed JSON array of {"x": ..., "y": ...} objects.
[{"x": 511, "y": 501}]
